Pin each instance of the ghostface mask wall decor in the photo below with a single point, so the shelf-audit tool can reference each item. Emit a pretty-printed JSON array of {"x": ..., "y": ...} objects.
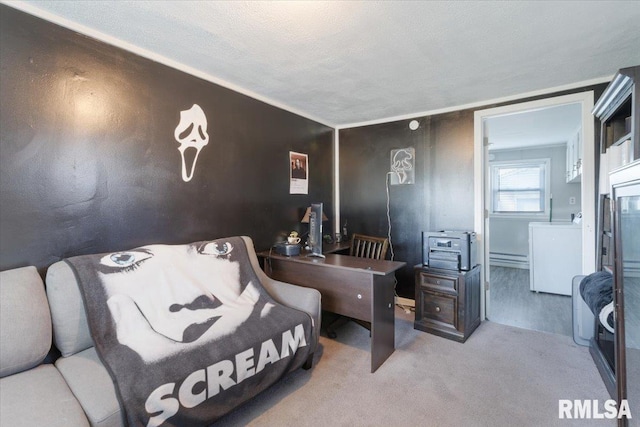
[{"x": 191, "y": 134}]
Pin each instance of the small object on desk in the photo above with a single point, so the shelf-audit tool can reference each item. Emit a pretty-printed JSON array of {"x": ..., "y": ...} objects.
[
  {"x": 293, "y": 238},
  {"x": 287, "y": 249}
]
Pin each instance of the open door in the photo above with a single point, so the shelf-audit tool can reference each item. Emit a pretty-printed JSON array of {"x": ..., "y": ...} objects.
[
  {"x": 487, "y": 200},
  {"x": 481, "y": 180}
]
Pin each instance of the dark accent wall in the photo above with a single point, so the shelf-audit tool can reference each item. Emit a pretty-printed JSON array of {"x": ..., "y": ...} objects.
[
  {"x": 365, "y": 155},
  {"x": 89, "y": 163},
  {"x": 440, "y": 199}
]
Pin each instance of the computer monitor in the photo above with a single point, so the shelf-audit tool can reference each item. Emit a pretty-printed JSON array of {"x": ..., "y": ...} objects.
[{"x": 315, "y": 230}]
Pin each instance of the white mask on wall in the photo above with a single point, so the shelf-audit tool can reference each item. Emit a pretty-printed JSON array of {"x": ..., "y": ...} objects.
[{"x": 191, "y": 132}]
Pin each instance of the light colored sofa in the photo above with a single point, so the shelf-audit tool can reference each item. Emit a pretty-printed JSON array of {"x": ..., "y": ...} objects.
[
  {"x": 80, "y": 365},
  {"x": 32, "y": 393}
]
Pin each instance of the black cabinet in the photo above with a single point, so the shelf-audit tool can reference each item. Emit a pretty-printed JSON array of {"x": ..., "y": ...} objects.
[
  {"x": 619, "y": 117},
  {"x": 447, "y": 302},
  {"x": 625, "y": 197},
  {"x": 617, "y": 353}
]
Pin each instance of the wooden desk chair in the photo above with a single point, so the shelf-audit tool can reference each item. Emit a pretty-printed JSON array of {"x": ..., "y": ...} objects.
[
  {"x": 364, "y": 247},
  {"x": 369, "y": 246}
]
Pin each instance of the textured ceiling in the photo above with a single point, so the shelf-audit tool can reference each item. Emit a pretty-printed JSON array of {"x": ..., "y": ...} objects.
[{"x": 352, "y": 62}]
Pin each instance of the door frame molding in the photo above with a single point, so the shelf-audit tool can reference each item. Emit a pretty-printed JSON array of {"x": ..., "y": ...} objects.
[{"x": 588, "y": 186}]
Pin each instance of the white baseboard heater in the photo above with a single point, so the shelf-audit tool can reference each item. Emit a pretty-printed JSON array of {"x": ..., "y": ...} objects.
[{"x": 499, "y": 259}]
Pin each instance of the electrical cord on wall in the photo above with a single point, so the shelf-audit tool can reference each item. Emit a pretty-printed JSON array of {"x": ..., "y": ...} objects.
[
  {"x": 389, "y": 215},
  {"x": 406, "y": 309}
]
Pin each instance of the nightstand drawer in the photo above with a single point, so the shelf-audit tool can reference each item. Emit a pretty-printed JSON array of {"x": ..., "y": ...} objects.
[
  {"x": 439, "y": 308},
  {"x": 447, "y": 301},
  {"x": 439, "y": 283}
]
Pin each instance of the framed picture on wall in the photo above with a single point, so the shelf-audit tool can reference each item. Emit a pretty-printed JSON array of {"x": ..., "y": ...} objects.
[{"x": 298, "y": 173}]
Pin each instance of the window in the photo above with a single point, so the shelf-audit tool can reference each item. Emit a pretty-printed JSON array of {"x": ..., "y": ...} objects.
[{"x": 520, "y": 187}]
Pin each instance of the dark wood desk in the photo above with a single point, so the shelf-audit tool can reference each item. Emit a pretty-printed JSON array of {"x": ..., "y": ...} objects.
[
  {"x": 360, "y": 288},
  {"x": 336, "y": 248}
]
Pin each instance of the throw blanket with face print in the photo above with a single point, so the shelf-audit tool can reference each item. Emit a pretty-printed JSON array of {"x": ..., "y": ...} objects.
[{"x": 186, "y": 331}]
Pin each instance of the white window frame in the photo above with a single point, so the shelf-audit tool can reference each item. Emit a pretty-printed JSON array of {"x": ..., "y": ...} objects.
[{"x": 522, "y": 163}]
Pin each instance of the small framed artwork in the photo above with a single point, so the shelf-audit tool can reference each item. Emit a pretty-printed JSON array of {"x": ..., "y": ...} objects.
[{"x": 298, "y": 173}]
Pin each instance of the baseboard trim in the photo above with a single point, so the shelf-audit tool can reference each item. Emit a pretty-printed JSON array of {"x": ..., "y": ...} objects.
[
  {"x": 509, "y": 264},
  {"x": 508, "y": 260}
]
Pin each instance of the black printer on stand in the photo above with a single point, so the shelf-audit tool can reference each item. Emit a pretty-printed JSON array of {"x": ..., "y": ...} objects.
[
  {"x": 449, "y": 250},
  {"x": 447, "y": 285}
]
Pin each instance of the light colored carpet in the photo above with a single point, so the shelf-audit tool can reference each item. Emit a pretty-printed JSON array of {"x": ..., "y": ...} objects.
[{"x": 502, "y": 376}]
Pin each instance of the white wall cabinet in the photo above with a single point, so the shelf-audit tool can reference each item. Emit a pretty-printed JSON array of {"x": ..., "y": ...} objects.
[{"x": 555, "y": 256}]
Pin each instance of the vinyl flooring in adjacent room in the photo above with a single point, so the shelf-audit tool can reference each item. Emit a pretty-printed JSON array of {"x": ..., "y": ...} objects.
[{"x": 513, "y": 304}]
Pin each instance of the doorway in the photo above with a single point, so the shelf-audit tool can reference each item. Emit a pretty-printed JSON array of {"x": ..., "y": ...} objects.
[{"x": 582, "y": 103}]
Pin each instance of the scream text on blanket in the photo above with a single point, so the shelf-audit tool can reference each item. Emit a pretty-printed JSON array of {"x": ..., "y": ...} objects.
[{"x": 166, "y": 400}]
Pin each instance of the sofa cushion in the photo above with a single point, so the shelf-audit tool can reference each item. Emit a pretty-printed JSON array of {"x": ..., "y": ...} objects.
[
  {"x": 38, "y": 397},
  {"x": 70, "y": 328},
  {"x": 25, "y": 320},
  {"x": 91, "y": 384}
]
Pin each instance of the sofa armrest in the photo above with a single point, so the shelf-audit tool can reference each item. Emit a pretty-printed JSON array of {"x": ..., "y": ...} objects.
[
  {"x": 25, "y": 320},
  {"x": 298, "y": 297},
  {"x": 294, "y": 296}
]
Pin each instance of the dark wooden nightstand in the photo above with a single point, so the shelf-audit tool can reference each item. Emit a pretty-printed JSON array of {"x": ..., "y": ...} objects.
[{"x": 447, "y": 302}]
